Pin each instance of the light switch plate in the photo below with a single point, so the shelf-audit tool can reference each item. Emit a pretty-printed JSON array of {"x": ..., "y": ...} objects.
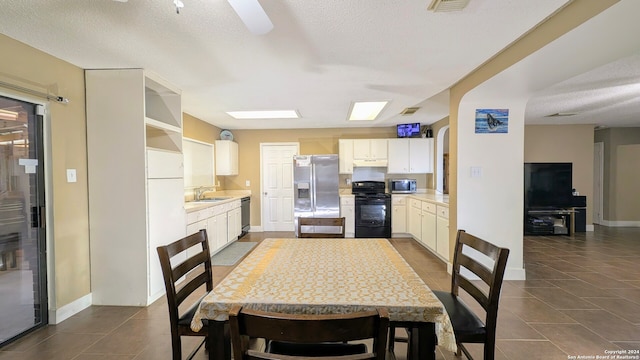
[
  {"x": 247, "y": 183},
  {"x": 71, "y": 176}
]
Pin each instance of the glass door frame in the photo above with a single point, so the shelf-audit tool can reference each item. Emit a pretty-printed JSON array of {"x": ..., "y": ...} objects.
[{"x": 41, "y": 216}]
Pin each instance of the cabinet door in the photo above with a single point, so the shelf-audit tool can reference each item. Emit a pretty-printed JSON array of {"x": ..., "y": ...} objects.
[
  {"x": 345, "y": 156},
  {"x": 167, "y": 223},
  {"x": 212, "y": 223},
  {"x": 164, "y": 164},
  {"x": 399, "y": 219},
  {"x": 348, "y": 212},
  {"x": 221, "y": 230},
  {"x": 226, "y": 157},
  {"x": 361, "y": 149},
  {"x": 378, "y": 149},
  {"x": 420, "y": 156},
  {"x": 194, "y": 228},
  {"x": 398, "y": 156},
  {"x": 415, "y": 222},
  {"x": 429, "y": 229},
  {"x": 443, "y": 238}
]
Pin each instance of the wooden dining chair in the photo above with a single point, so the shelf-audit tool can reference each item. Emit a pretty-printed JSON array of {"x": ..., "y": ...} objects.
[
  {"x": 467, "y": 326},
  {"x": 197, "y": 269},
  {"x": 320, "y": 223},
  {"x": 290, "y": 336}
]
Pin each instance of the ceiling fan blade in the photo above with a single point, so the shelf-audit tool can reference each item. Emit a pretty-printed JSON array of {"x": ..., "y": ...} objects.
[{"x": 252, "y": 15}]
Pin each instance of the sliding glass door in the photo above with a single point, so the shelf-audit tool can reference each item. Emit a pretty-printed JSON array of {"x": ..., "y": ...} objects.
[{"x": 23, "y": 296}]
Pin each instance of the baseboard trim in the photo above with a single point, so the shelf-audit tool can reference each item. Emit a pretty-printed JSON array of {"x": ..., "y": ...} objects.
[
  {"x": 591, "y": 228},
  {"x": 515, "y": 274},
  {"x": 616, "y": 223},
  {"x": 56, "y": 316},
  {"x": 255, "y": 229}
]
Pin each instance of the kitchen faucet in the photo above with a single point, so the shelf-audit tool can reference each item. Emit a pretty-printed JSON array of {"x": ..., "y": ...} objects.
[{"x": 201, "y": 190}]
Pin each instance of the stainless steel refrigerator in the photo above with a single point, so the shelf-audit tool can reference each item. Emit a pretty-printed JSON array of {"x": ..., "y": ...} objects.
[{"x": 315, "y": 185}]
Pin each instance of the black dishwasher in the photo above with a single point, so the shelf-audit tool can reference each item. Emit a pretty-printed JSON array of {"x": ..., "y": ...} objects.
[{"x": 246, "y": 215}]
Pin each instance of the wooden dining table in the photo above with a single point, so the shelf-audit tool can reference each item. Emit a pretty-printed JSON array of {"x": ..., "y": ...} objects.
[{"x": 328, "y": 276}]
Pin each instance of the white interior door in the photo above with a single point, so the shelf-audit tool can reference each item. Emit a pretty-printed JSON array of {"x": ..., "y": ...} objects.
[{"x": 277, "y": 185}]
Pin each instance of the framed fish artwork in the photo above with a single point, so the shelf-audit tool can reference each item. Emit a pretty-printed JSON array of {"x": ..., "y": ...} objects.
[{"x": 492, "y": 121}]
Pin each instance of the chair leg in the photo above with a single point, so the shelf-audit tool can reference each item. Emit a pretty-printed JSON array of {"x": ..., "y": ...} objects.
[
  {"x": 176, "y": 346},
  {"x": 392, "y": 338}
]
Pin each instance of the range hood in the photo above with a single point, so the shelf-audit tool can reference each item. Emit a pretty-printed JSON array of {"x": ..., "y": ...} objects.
[{"x": 370, "y": 163}]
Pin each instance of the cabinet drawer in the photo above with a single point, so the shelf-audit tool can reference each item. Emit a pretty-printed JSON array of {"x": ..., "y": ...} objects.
[
  {"x": 429, "y": 207},
  {"x": 347, "y": 200},
  {"x": 399, "y": 199},
  {"x": 443, "y": 212},
  {"x": 193, "y": 217},
  {"x": 416, "y": 203}
]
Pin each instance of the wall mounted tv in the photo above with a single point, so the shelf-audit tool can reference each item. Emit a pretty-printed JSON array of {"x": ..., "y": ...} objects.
[
  {"x": 548, "y": 185},
  {"x": 408, "y": 130}
]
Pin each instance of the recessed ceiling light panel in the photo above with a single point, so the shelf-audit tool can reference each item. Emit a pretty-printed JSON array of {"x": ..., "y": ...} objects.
[
  {"x": 265, "y": 114},
  {"x": 366, "y": 110}
]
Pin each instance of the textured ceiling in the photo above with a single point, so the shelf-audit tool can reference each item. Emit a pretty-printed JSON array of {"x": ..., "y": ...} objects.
[{"x": 321, "y": 55}]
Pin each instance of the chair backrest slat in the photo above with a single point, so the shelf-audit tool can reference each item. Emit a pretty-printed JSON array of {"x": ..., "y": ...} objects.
[
  {"x": 321, "y": 223},
  {"x": 477, "y": 268}
]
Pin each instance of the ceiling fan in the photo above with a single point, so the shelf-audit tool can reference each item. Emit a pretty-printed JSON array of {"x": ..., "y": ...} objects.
[{"x": 250, "y": 12}]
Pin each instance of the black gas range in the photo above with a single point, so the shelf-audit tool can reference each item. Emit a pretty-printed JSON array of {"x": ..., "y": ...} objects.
[{"x": 372, "y": 209}]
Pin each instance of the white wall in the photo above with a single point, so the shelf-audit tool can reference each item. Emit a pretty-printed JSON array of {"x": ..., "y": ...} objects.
[{"x": 490, "y": 206}]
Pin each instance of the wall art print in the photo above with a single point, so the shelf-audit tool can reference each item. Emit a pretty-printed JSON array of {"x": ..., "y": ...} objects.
[{"x": 492, "y": 121}]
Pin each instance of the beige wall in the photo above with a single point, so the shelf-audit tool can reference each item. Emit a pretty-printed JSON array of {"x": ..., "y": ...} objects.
[
  {"x": 68, "y": 220},
  {"x": 564, "y": 143},
  {"x": 614, "y": 167}
]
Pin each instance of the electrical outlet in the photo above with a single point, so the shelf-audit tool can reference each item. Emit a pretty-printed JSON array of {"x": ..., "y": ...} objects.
[{"x": 476, "y": 171}]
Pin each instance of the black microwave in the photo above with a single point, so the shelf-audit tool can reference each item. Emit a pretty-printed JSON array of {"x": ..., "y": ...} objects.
[{"x": 402, "y": 186}]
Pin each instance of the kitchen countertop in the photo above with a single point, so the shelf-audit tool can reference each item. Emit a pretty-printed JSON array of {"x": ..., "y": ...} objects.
[
  {"x": 232, "y": 195},
  {"x": 422, "y": 194}
]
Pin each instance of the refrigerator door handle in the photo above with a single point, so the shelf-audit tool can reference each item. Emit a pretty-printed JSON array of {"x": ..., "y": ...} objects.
[{"x": 313, "y": 187}]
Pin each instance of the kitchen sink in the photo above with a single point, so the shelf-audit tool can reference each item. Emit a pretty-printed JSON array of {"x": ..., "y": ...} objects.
[{"x": 215, "y": 199}]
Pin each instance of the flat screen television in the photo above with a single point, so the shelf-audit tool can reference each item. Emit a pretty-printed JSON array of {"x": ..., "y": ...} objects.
[
  {"x": 408, "y": 130},
  {"x": 548, "y": 185}
]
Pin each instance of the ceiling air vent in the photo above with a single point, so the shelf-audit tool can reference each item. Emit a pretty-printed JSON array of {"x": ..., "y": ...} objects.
[
  {"x": 409, "y": 111},
  {"x": 447, "y": 5}
]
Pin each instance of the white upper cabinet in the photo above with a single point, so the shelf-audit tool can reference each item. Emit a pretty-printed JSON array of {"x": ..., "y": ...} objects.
[
  {"x": 370, "y": 149},
  {"x": 226, "y": 157},
  {"x": 345, "y": 156},
  {"x": 410, "y": 156}
]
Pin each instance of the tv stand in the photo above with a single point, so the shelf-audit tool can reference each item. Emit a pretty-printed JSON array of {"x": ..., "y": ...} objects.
[{"x": 552, "y": 221}]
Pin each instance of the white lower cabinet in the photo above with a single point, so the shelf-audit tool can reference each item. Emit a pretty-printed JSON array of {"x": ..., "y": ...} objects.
[
  {"x": 415, "y": 219},
  {"x": 428, "y": 229},
  {"x": 347, "y": 211},
  {"x": 398, "y": 214},
  {"x": 223, "y": 224},
  {"x": 442, "y": 246},
  {"x": 429, "y": 224}
]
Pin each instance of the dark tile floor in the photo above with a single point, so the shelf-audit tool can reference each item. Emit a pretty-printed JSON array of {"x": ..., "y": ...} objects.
[{"x": 581, "y": 297}]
